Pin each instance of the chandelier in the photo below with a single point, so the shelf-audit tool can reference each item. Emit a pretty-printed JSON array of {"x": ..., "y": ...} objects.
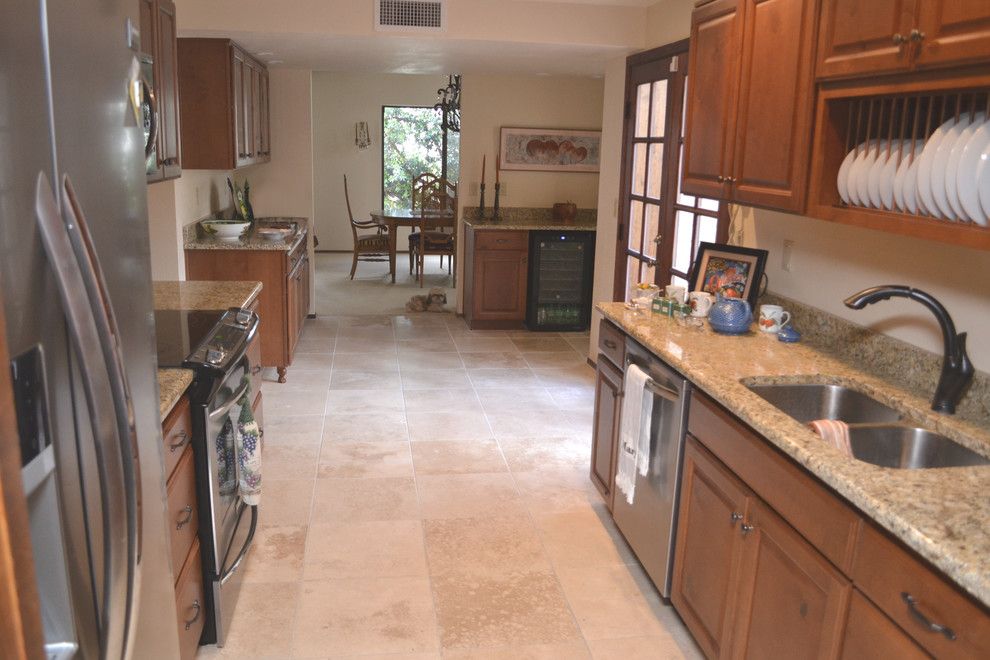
[{"x": 449, "y": 104}]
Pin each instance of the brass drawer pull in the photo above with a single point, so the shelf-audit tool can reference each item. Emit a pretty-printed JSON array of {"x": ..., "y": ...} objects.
[
  {"x": 912, "y": 605},
  {"x": 185, "y": 521},
  {"x": 199, "y": 610},
  {"x": 183, "y": 439}
]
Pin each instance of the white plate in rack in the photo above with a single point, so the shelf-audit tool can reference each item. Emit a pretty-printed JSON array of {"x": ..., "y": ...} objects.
[
  {"x": 961, "y": 182},
  {"x": 841, "y": 180},
  {"x": 905, "y": 181},
  {"x": 969, "y": 183},
  {"x": 859, "y": 174},
  {"x": 888, "y": 174},
  {"x": 946, "y": 197},
  {"x": 888, "y": 151},
  {"x": 926, "y": 197}
]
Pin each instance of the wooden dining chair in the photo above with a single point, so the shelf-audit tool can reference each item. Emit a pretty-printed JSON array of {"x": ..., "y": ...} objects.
[
  {"x": 435, "y": 241},
  {"x": 441, "y": 195},
  {"x": 367, "y": 247},
  {"x": 424, "y": 180}
]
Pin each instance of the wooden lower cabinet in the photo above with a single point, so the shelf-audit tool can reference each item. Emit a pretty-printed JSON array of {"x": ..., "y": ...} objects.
[
  {"x": 605, "y": 431},
  {"x": 870, "y": 634},
  {"x": 283, "y": 303},
  {"x": 189, "y": 603},
  {"x": 495, "y": 272}
]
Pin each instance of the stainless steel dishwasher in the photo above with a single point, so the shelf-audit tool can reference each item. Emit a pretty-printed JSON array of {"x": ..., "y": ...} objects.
[{"x": 650, "y": 522}]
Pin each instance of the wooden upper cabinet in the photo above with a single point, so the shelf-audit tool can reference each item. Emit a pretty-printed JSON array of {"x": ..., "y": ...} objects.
[
  {"x": 264, "y": 133},
  {"x": 713, "y": 78},
  {"x": 955, "y": 31},
  {"x": 709, "y": 546},
  {"x": 776, "y": 105},
  {"x": 885, "y": 36},
  {"x": 221, "y": 114},
  {"x": 158, "y": 40},
  {"x": 750, "y": 102},
  {"x": 857, "y": 37},
  {"x": 792, "y": 602}
]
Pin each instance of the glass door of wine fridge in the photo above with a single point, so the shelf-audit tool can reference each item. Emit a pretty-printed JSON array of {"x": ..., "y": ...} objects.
[{"x": 560, "y": 280}]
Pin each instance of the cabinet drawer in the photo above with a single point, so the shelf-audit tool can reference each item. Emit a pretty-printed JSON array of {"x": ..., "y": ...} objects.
[
  {"x": 818, "y": 515},
  {"x": 182, "y": 519},
  {"x": 888, "y": 574},
  {"x": 177, "y": 433},
  {"x": 189, "y": 603},
  {"x": 501, "y": 240},
  {"x": 612, "y": 343}
]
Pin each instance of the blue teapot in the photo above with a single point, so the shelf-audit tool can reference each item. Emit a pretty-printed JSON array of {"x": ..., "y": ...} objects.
[{"x": 730, "y": 316}]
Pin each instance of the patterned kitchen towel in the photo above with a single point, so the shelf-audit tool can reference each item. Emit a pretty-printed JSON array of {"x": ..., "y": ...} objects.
[{"x": 249, "y": 445}]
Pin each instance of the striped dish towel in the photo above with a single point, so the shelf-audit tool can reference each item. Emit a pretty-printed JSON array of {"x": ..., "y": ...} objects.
[{"x": 835, "y": 433}]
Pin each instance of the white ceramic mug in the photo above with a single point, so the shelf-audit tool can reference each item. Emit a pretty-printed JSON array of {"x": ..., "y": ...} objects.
[
  {"x": 676, "y": 292},
  {"x": 701, "y": 303},
  {"x": 773, "y": 318}
]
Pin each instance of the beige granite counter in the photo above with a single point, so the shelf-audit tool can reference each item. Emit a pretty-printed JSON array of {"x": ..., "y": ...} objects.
[
  {"x": 204, "y": 294},
  {"x": 537, "y": 219},
  {"x": 194, "y": 239},
  {"x": 172, "y": 384},
  {"x": 941, "y": 513}
]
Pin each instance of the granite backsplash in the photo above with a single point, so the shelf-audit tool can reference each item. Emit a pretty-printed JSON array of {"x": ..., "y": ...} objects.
[
  {"x": 903, "y": 364},
  {"x": 531, "y": 215}
]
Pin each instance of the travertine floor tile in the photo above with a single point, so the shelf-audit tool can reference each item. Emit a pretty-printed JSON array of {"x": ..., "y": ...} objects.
[
  {"x": 378, "y": 361},
  {"x": 555, "y": 359},
  {"x": 262, "y": 623},
  {"x": 414, "y": 378},
  {"x": 432, "y": 457},
  {"x": 363, "y": 402},
  {"x": 311, "y": 362},
  {"x": 489, "y": 608},
  {"x": 502, "y": 378},
  {"x": 441, "y": 400},
  {"x": 429, "y": 360},
  {"x": 545, "y": 423},
  {"x": 556, "y": 491},
  {"x": 364, "y": 379},
  {"x": 474, "y": 343},
  {"x": 498, "y": 543},
  {"x": 534, "y": 343},
  {"x": 542, "y": 454},
  {"x": 577, "y": 376},
  {"x": 580, "y": 538},
  {"x": 467, "y": 496},
  {"x": 365, "y": 616},
  {"x": 464, "y": 426},
  {"x": 513, "y": 400},
  {"x": 292, "y": 430},
  {"x": 285, "y": 501},
  {"x": 579, "y": 398},
  {"x": 364, "y": 499},
  {"x": 289, "y": 462},
  {"x": 296, "y": 401},
  {"x": 322, "y": 345},
  {"x": 494, "y": 360},
  {"x": 608, "y": 602},
  {"x": 365, "y": 459},
  {"x": 363, "y": 343},
  {"x": 659, "y": 647},
  {"x": 378, "y": 426},
  {"x": 276, "y": 554},
  {"x": 391, "y": 548},
  {"x": 433, "y": 340},
  {"x": 576, "y": 650}
]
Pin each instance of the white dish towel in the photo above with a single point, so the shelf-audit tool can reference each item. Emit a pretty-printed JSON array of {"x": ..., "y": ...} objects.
[{"x": 634, "y": 432}]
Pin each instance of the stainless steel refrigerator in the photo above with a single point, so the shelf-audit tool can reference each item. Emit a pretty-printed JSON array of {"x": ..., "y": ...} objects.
[{"x": 75, "y": 276}]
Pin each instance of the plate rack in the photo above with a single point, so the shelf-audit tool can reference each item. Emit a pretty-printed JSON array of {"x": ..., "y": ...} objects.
[{"x": 874, "y": 139}]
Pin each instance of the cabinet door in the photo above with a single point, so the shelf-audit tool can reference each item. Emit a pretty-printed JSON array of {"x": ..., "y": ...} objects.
[
  {"x": 776, "y": 93},
  {"x": 306, "y": 287},
  {"x": 857, "y": 37},
  {"x": 264, "y": 120},
  {"x": 167, "y": 84},
  {"x": 954, "y": 31},
  {"x": 605, "y": 438},
  {"x": 712, "y": 85},
  {"x": 148, "y": 14},
  {"x": 708, "y": 549},
  {"x": 500, "y": 285},
  {"x": 240, "y": 74},
  {"x": 292, "y": 311},
  {"x": 253, "y": 106},
  {"x": 792, "y": 601},
  {"x": 870, "y": 634}
]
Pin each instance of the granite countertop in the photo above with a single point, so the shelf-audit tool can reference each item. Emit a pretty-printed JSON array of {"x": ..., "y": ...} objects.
[
  {"x": 193, "y": 239},
  {"x": 520, "y": 218},
  {"x": 172, "y": 384},
  {"x": 204, "y": 294},
  {"x": 940, "y": 513}
]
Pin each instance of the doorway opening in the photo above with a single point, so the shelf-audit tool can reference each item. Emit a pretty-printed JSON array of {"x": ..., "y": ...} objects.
[{"x": 413, "y": 140}]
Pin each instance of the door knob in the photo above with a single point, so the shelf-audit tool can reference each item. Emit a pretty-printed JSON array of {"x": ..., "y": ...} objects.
[
  {"x": 899, "y": 39},
  {"x": 735, "y": 517},
  {"x": 917, "y": 35},
  {"x": 747, "y": 528},
  {"x": 720, "y": 178}
]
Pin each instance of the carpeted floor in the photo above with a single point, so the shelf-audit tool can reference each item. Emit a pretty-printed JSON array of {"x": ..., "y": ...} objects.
[{"x": 371, "y": 291}]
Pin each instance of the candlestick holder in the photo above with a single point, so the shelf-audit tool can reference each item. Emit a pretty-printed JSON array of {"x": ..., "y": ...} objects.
[
  {"x": 481, "y": 203},
  {"x": 495, "y": 217}
]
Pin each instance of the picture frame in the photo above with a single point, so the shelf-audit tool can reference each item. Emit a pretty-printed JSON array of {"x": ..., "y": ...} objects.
[
  {"x": 549, "y": 150},
  {"x": 730, "y": 270}
]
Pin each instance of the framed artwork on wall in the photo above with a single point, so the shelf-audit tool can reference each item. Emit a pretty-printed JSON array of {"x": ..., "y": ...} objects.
[
  {"x": 730, "y": 270},
  {"x": 549, "y": 150}
]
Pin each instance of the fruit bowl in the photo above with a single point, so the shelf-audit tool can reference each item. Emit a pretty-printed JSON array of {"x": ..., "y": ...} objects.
[{"x": 225, "y": 230}]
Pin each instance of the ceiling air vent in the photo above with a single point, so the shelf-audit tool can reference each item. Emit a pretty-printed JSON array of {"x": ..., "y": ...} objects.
[{"x": 410, "y": 15}]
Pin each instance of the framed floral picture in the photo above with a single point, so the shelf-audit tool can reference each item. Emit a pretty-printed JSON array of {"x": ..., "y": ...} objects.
[
  {"x": 729, "y": 270},
  {"x": 550, "y": 150}
]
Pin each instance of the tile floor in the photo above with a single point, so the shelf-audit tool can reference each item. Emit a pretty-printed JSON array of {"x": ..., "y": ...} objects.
[{"x": 426, "y": 495}]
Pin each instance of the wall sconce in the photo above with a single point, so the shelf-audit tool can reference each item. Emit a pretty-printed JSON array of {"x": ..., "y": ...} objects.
[{"x": 361, "y": 136}]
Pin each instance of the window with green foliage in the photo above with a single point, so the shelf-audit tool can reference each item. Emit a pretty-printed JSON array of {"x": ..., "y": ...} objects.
[{"x": 413, "y": 144}]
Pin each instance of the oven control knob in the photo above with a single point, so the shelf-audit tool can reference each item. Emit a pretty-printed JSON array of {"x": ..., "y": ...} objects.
[{"x": 214, "y": 355}]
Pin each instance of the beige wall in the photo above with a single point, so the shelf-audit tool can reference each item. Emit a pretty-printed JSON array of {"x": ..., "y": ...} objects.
[
  {"x": 339, "y": 101},
  {"x": 490, "y": 102},
  {"x": 668, "y": 21},
  {"x": 831, "y": 261}
]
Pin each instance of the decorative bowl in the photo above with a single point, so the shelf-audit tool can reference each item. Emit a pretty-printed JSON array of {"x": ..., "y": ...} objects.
[{"x": 225, "y": 230}]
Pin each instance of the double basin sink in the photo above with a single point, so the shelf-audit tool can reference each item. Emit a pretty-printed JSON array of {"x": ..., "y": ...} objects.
[{"x": 878, "y": 434}]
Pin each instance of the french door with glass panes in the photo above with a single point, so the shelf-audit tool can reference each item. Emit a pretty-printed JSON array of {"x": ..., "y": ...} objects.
[{"x": 659, "y": 226}]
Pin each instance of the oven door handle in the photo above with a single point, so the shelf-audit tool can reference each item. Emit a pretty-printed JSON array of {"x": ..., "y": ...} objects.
[
  {"x": 227, "y": 574},
  {"x": 225, "y": 408}
]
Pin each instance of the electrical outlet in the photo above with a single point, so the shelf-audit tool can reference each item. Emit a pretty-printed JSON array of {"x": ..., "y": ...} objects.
[{"x": 785, "y": 255}]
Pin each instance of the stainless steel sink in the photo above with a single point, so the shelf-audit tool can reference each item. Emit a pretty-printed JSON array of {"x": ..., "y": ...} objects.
[
  {"x": 907, "y": 447},
  {"x": 808, "y": 402}
]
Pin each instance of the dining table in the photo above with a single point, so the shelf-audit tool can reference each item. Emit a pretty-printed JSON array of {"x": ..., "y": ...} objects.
[{"x": 395, "y": 218}]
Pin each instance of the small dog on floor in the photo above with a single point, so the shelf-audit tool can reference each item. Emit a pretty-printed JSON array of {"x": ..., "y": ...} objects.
[{"x": 434, "y": 301}]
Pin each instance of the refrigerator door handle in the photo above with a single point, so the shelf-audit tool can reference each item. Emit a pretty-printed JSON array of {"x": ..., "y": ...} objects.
[
  {"x": 95, "y": 379},
  {"x": 110, "y": 341}
]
